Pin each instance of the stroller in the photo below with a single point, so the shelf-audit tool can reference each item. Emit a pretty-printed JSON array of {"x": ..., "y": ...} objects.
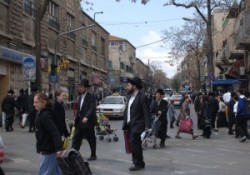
[
  {"x": 150, "y": 136},
  {"x": 103, "y": 128}
]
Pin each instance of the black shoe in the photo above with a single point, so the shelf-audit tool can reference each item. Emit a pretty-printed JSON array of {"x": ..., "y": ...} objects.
[
  {"x": 162, "y": 145},
  {"x": 168, "y": 137},
  {"x": 92, "y": 158},
  {"x": 136, "y": 168}
]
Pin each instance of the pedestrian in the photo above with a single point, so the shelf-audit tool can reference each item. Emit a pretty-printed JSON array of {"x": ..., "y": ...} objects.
[
  {"x": 48, "y": 139},
  {"x": 171, "y": 113},
  {"x": 185, "y": 113},
  {"x": 231, "y": 114},
  {"x": 197, "y": 108},
  {"x": 21, "y": 100},
  {"x": 85, "y": 119},
  {"x": 30, "y": 109},
  {"x": 160, "y": 108},
  {"x": 8, "y": 106},
  {"x": 243, "y": 115},
  {"x": 58, "y": 108},
  {"x": 136, "y": 120},
  {"x": 214, "y": 107},
  {"x": 221, "y": 120}
]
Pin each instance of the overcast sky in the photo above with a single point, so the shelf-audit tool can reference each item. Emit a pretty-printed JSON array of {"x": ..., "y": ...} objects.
[{"x": 140, "y": 25}]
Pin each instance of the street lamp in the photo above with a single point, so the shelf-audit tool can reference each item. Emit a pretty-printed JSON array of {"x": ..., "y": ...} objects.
[{"x": 53, "y": 75}]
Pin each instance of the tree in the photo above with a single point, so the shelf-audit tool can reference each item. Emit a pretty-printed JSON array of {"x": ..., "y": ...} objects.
[
  {"x": 40, "y": 7},
  {"x": 188, "y": 41}
]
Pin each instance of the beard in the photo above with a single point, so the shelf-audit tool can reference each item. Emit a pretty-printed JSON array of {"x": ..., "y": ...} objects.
[{"x": 130, "y": 91}]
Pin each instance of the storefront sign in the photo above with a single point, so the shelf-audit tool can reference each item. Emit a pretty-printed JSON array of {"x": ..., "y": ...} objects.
[{"x": 11, "y": 55}]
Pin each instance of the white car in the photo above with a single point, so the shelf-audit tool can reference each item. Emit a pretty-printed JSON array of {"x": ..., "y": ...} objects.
[{"x": 112, "y": 106}]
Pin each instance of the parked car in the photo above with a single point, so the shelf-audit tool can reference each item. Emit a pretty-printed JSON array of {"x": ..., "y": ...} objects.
[
  {"x": 112, "y": 106},
  {"x": 176, "y": 99}
]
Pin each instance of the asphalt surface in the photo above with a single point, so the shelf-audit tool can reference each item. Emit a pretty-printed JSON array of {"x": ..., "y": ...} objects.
[{"x": 222, "y": 154}]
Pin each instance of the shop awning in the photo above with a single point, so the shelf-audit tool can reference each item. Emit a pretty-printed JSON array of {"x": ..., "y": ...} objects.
[{"x": 225, "y": 82}]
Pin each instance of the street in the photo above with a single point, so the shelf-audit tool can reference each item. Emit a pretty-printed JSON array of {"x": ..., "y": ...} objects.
[{"x": 222, "y": 154}]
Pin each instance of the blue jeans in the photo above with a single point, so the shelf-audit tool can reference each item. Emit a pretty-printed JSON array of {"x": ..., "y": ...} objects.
[{"x": 49, "y": 165}]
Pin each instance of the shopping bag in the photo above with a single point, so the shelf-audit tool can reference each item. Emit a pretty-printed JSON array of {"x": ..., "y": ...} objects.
[
  {"x": 127, "y": 142},
  {"x": 186, "y": 125},
  {"x": 72, "y": 132},
  {"x": 66, "y": 143},
  {"x": 24, "y": 119},
  {"x": 3, "y": 118},
  {"x": 1, "y": 150}
]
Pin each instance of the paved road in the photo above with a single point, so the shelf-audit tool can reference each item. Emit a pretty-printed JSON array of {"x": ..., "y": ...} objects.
[{"x": 222, "y": 154}]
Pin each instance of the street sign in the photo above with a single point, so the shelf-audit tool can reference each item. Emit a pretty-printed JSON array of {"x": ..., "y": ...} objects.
[
  {"x": 53, "y": 78},
  {"x": 29, "y": 68}
]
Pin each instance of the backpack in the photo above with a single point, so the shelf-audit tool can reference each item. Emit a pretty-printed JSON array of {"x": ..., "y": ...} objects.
[{"x": 246, "y": 107}]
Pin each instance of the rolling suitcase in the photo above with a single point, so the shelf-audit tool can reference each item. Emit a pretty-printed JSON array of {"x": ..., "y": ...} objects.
[{"x": 72, "y": 163}]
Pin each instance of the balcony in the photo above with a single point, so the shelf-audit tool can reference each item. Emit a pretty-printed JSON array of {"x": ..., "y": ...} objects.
[
  {"x": 242, "y": 31},
  {"x": 230, "y": 52}
]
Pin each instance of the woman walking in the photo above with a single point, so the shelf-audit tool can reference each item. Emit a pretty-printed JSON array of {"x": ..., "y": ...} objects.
[{"x": 48, "y": 138}]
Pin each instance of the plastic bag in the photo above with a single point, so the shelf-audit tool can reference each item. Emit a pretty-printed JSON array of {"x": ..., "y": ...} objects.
[
  {"x": 1, "y": 150},
  {"x": 66, "y": 143},
  {"x": 24, "y": 118}
]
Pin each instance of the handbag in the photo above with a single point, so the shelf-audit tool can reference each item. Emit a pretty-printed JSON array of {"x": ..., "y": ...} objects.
[
  {"x": 127, "y": 142},
  {"x": 66, "y": 143},
  {"x": 186, "y": 125}
]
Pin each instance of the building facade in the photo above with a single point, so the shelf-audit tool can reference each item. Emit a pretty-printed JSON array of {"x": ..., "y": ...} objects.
[{"x": 80, "y": 54}]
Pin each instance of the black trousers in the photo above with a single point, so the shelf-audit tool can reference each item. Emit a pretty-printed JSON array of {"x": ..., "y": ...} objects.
[
  {"x": 89, "y": 134},
  {"x": 136, "y": 149},
  {"x": 163, "y": 131},
  {"x": 241, "y": 122},
  {"x": 9, "y": 120}
]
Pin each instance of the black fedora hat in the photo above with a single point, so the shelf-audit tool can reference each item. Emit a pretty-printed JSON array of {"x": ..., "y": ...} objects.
[
  {"x": 135, "y": 81},
  {"x": 85, "y": 83},
  {"x": 160, "y": 91},
  {"x": 11, "y": 91}
]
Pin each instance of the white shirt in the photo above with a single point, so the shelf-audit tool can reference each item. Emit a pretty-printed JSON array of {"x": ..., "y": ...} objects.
[
  {"x": 227, "y": 97},
  {"x": 131, "y": 100},
  {"x": 82, "y": 99}
]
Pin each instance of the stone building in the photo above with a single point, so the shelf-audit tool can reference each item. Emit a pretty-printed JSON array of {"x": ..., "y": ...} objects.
[
  {"x": 122, "y": 62},
  {"x": 80, "y": 54}
]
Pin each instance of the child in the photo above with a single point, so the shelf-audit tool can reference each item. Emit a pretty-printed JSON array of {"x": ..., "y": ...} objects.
[{"x": 171, "y": 113}]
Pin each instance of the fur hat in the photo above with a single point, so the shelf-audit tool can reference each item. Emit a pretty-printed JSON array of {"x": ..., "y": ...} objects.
[{"x": 11, "y": 91}]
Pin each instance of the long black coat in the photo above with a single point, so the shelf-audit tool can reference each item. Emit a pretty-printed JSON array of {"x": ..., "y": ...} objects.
[
  {"x": 163, "y": 107},
  {"x": 9, "y": 104},
  {"x": 59, "y": 110},
  {"x": 88, "y": 110},
  {"x": 139, "y": 114}
]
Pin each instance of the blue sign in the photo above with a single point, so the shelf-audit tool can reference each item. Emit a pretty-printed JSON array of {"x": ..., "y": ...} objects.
[
  {"x": 29, "y": 68},
  {"x": 53, "y": 78},
  {"x": 11, "y": 55}
]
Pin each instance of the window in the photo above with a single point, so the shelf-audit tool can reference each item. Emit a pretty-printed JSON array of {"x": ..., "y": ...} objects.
[
  {"x": 122, "y": 65},
  {"x": 29, "y": 7},
  {"x": 122, "y": 45},
  {"x": 109, "y": 64},
  {"x": 102, "y": 46},
  {"x": 70, "y": 26},
  {"x": 53, "y": 15},
  {"x": 84, "y": 36},
  {"x": 93, "y": 39}
]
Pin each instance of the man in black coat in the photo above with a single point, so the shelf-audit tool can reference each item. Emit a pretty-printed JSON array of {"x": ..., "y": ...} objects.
[
  {"x": 160, "y": 108},
  {"x": 8, "y": 106},
  {"x": 136, "y": 120},
  {"x": 85, "y": 119}
]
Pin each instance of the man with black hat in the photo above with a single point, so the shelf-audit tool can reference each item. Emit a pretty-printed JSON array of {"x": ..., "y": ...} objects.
[
  {"x": 136, "y": 120},
  {"x": 85, "y": 119},
  {"x": 160, "y": 108},
  {"x": 8, "y": 106}
]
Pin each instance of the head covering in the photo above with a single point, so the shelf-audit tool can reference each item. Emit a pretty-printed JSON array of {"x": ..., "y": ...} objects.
[
  {"x": 34, "y": 89},
  {"x": 85, "y": 83},
  {"x": 160, "y": 91},
  {"x": 21, "y": 91},
  {"x": 135, "y": 81},
  {"x": 11, "y": 91}
]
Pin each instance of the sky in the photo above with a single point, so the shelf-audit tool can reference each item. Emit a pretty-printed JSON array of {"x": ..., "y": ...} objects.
[{"x": 141, "y": 25}]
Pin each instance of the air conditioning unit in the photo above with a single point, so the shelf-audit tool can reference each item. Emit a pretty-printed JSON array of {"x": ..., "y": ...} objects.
[{"x": 221, "y": 77}]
